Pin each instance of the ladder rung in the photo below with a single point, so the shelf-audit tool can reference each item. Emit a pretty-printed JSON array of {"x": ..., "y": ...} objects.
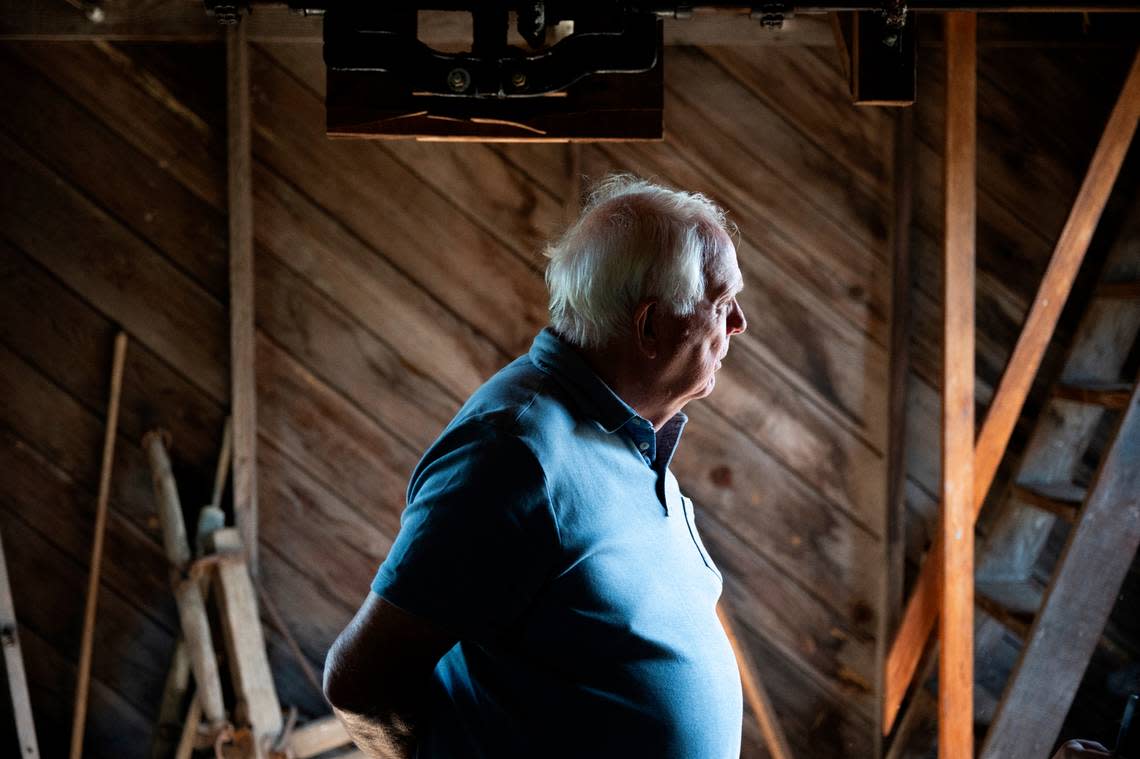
[
  {"x": 1122, "y": 290},
  {"x": 1111, "y": 395},
  {"x": 1058, "y": 498},
  {"x": 1017, "y": 623}
]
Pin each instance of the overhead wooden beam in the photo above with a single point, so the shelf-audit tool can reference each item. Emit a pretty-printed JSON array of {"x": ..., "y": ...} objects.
[
  {"x": 243, "y": 382},
  {"x": 922, "y": 607},
  {"x": 956, "y": 670},
  {"x": 182, "y": 21},
  {"x": 79, "y": 714},
  {"x": 1076, "y": 606}
]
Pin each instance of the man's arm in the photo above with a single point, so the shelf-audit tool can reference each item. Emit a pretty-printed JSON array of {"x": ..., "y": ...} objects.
[{"x": 377, "y": 675}]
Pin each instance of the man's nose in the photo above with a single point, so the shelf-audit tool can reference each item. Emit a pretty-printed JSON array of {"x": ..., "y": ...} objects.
[{"x": 736, "y": 321}]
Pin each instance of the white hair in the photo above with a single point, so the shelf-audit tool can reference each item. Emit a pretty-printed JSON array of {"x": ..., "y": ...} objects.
[{"x": 634, "y": 240}]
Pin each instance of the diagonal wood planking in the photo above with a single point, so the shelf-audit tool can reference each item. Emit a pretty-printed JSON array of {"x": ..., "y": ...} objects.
[{"x": 358, "y": 291}]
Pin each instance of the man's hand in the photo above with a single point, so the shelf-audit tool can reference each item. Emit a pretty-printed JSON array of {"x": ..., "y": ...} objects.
[{"x": 377, "y": 674}]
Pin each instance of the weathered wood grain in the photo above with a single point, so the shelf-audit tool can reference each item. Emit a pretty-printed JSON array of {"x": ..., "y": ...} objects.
[
  {"x": 331, "y": 343},
  {"x": 130, "y": 647},
  {"x": 243, "y": 381},
  {"x": 136, "y": 190},
  {"x": 102, "y": 261},
  {"x": 254, "y": 690},
  {"x": 107, "y": 81},
  {"x": 841, "y": 466},
  {"x": 358, "y": 459},
  {"x": 342, "y": 557},
  {"x": 833, "y": 651},
  {"x": 386, "y": 205},
  {"x": 119, "y": 730},
  {"x": 811, "y": 719},
  {"x": 956, "y": 568},
  {"x": 807, "y": 88},
  {"x": 301, "y": 234},
  {"x": 744, "y": 488}
]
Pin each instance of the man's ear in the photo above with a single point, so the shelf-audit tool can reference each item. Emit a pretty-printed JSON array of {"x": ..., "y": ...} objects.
[{"x": 645, "y": 327}]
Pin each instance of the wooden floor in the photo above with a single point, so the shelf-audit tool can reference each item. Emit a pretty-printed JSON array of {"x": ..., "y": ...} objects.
[{"x": 392, "y": 278}]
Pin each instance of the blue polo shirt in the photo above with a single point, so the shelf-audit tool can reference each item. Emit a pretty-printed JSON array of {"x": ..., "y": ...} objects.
[{"x": 546, "y": 532}]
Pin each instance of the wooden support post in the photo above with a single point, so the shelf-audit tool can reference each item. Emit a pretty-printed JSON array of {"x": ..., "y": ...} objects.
[
  {"x": 245, "y": 642},
  {"x": 1076, "y": 606},
  {"x": 187, "y": 592},
  {"x": 922, "y": 607},
  {"x": 14, "y": 664},
  {"x": 79, "y": 715},
  {"x": 956, "y": 670},
  {"x": 754, "y": 692},
  {"x": 243, "y": 382}
]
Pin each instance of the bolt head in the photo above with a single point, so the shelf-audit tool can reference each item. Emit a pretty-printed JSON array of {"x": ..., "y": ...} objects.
[
  {"x": 458, "y": 80},
  {"x": 518, "y": 79}
]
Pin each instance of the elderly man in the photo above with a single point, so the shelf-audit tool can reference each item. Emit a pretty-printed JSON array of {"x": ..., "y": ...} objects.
[{"x": 548, "y": 593}]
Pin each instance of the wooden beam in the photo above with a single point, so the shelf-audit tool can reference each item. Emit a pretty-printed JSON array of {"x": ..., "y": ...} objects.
[
  {"x": 894, "y": 538},
  {"x": 256, "y": 694},
  {"x": 758, "y": 700},
  {"x": 1061, "y": 501},
  {"x": 1076, "y": 606},
  {"x": 243, "y": 381},
  {"x": 1111, "y": 395},
  {"x": 317, "y": 737},
  {"x": 187, "y": 592},
  {"x": 14, "y": 665},
  {"x": 956, "y": 670},
  {"x": 182, "y": 21},
  {"x": 79, "y": 715},
  {"x": 921, "y": 611}
]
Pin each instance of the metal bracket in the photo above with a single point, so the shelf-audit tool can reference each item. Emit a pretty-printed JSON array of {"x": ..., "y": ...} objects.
[
  {"x": 772, "y": 15},
  {"x": 387, "y": 44}
]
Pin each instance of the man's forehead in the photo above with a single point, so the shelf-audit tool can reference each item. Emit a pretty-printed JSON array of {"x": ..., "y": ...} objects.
[{"x": 722, "y": 273}]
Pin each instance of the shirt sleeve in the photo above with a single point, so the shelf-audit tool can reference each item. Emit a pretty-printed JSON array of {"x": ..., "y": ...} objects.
[{"x": 477, "y": 538}]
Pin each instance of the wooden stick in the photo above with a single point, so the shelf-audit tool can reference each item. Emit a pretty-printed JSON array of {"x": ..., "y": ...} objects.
[
  {"x": 189, "y": 729},
  {"x": 14, "y": 662},
  {"x": 956, "y": 670},
  {"x": 922, "y": 607},
  {"x": 318, "y": 737},
  {"x": 243, "y": 382},
  {"x": 79, "y": 716},
  {"x": 224, "y": 460},
  {"x": 245, "y": 641},
  {"x": 758, "y": 699},
  {"x": 187, "y": 591}
]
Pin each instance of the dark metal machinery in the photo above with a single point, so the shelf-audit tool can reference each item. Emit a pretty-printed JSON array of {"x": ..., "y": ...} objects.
[{"x": 602, "y": 80}]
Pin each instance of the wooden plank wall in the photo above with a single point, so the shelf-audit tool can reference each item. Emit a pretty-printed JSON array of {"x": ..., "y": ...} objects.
[{"x": 391, "y": 280}]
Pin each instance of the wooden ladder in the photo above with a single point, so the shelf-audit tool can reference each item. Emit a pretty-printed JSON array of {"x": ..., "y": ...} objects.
[{"x": 1061, "y": 623}]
